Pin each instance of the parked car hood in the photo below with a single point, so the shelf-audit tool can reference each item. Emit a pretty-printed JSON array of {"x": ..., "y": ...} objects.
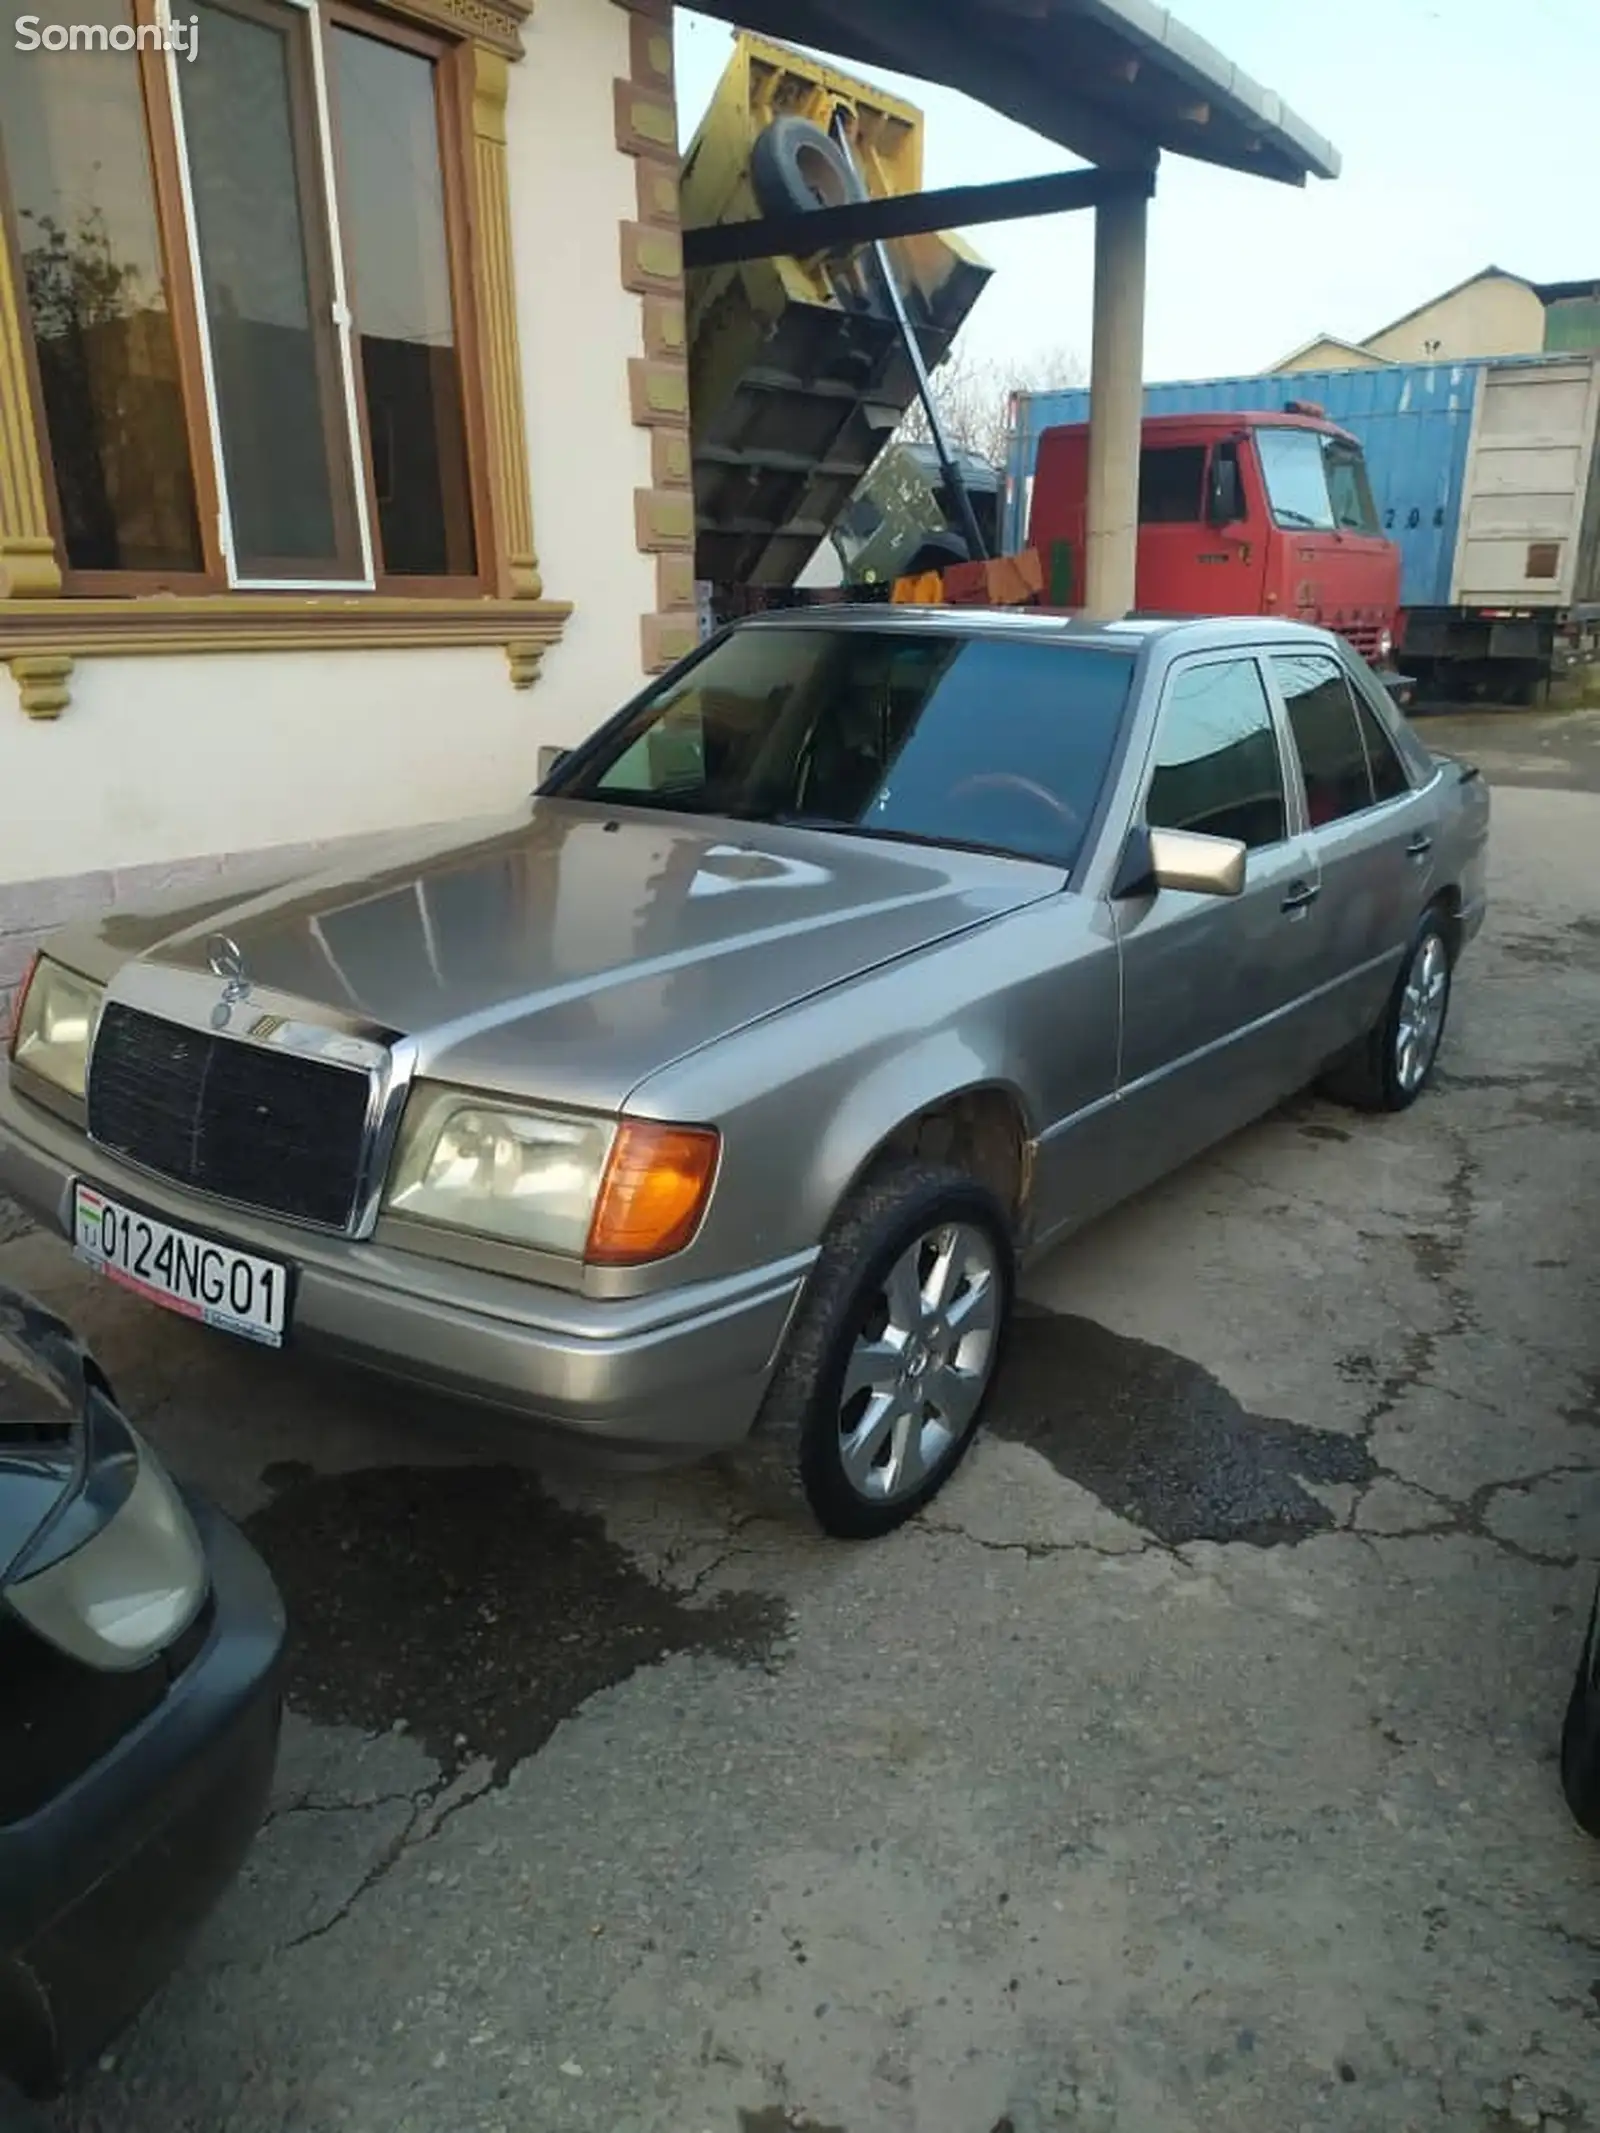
[{"x": 572, "y": 950}]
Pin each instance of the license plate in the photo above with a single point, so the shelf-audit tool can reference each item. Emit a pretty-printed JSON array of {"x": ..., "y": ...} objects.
[{"x": 194, "y": 1276}]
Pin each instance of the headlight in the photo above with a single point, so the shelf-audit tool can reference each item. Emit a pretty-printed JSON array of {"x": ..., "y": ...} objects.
[
  {"x": 1385, "y": 643},
  {"x": 130, "y": 1589},
  {"x": 614, "y": 1192},
  {"x": 54, "y": 1022},
  {"x": 530, "y": 1177}
]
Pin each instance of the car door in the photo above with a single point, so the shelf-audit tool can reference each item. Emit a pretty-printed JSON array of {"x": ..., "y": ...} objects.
[
  {"x": 1371, "y": 833},
  {"x": 1214, "y": 987}
]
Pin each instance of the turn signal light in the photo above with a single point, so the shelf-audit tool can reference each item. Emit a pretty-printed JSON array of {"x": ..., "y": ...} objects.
[
  {"x": 656, "y": 1185},
  {"x": 19, "y": 1000}
]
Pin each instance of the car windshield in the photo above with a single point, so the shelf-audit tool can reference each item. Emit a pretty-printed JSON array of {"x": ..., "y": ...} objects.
[{"x": 985, "y": 741}]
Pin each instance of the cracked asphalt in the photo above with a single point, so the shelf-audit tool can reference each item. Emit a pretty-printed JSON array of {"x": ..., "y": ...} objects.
[{"x": 1191, "y": 1763}]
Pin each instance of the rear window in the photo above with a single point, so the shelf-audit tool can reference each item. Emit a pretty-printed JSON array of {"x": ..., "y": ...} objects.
[{"x": 985, "y": 741}]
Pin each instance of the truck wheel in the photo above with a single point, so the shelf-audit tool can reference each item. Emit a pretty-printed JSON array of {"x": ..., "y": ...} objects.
[
  {"x": 1580, "y": 1735},
  {"x": 1392, "y": 1065},
  {"x": 893, "y": 1352},
  {"x": 795, "y": 167}
]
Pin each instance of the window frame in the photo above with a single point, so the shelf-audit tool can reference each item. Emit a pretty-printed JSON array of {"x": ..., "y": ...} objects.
[
  {"x": 1338, "y": 449},
  {"x": 1355, "y": 696},
  {"x": 1364, "y": 702},
  {"x": 179, "y": 294},
  {"x": 443, "y": 54},
  {"x": 1293, "y": 788},
  {"x": 1170, "y": 451},
  {"x": 183, "y": 285}
]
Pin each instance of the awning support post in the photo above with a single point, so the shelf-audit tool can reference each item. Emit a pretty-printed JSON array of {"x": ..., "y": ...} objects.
[{"x": 1116, "y": 406}]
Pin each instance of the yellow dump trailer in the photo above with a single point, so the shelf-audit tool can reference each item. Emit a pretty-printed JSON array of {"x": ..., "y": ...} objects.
[{"x": 798, "y": 375}]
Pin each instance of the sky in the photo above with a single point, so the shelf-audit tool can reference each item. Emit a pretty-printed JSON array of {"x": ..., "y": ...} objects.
[{"x": 1466, "y": 131}]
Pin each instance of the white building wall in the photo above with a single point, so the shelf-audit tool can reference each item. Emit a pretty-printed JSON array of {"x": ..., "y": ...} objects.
[
  {"x": 160, "y": 764},
  {"x": 571, "y": 189}
]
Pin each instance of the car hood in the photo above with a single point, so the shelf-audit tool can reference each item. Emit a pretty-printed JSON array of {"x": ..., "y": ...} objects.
[{"x": 572, "y": 950}]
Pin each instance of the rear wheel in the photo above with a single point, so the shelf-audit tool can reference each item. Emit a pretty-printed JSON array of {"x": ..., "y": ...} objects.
[
  {"x": 1392, "y": 1065},
  {"x": 892, "y": 1356}
]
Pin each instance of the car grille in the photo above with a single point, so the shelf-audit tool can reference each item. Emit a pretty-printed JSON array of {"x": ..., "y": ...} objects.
[
  {"x": 1363, "y": 635},
  {"x": 262, "y": 1127}
]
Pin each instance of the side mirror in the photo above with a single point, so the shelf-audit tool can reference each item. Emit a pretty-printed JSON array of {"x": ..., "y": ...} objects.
[
  {"x": 1224, "y": 493},
  {"x": 1206, "y": 866}
]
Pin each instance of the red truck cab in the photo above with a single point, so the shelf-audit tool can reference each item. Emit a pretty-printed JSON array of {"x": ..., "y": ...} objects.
[{"x": 1239, "y": 514}]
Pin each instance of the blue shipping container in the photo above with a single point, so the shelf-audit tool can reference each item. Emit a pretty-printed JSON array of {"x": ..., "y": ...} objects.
[{"x": 1414, "y": 421}]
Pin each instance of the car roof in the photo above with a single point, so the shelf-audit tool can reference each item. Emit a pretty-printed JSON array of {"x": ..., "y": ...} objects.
[{"x": 1176, "y": 633}]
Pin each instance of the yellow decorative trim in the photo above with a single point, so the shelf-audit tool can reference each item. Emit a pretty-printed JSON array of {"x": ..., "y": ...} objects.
[
  {"x": 516, "y": 558},
  {"x": 496, "y": 24},
  {"x": 658, "y": 392},
  {"x": 663, "y": 519},
  {"x": 525, "y": 656},
  {"x": 658, "y": 380},
  {"x": 40, "y": 640},
  {"x": 43, "y": 683},
  {"x": 652, "y": 260},
  {"x": 674, "y": 580},
  {"x": 665, "y": 639},
  {"x": 671, "y": 460},
  {"x": 647, "y": 122},
  {"x": 28, "y": 567},
  {"x": 650, "y": 57},
  {"x": 657, "y": 187}
]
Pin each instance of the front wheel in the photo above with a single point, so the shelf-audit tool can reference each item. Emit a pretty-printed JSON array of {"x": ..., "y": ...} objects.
[
  {"x": 1392, "y": 1065},
  {"x": 892, "y": 1356}
]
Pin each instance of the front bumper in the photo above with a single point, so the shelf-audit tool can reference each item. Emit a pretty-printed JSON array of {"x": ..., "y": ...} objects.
[
  {"x": 682, "y": 1371},
  {"x": 103, "y": 1887}
]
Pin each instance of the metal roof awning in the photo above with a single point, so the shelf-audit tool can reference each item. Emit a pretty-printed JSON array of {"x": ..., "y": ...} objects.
[{"x": 1113, "y": 81}]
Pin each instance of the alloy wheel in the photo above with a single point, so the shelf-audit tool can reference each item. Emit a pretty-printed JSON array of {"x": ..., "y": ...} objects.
[
  {"x": 921, "y": 1362},
  {"x": 1420, "y": 1024}
]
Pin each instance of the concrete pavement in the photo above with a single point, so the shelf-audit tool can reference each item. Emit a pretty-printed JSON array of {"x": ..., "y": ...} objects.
[{"x": 1189, "y": 1765}]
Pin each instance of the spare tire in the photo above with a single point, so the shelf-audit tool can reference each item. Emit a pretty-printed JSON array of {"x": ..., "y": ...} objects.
[{"x": 795, "y": 167}]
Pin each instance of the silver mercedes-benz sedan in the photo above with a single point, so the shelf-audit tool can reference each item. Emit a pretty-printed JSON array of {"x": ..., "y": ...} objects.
[{"x": 723, "y": 1086}]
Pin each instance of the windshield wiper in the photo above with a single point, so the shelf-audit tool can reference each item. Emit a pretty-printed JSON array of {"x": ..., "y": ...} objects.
[{"x": 1298, "y": 518}]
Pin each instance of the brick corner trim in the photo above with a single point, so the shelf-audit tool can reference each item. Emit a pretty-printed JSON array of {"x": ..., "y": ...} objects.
[{"x": 651, "y": 264}]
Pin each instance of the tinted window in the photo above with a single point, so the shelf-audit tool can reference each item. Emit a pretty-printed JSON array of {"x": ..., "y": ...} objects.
[
  {"x": 1170, "y": 484},
  {"x": 1322, "y": 714},
  {"x": 1217, "y": 767},
  {"x": 1383, "y": 758},
  {"x": 986, "y": 741},
  {"x": 1297, "y": 482}
]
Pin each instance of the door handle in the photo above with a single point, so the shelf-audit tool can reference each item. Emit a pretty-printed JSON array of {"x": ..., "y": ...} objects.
[
  {"x": 1420, "y": 846},
  {"x": 1301, "y": 895}
]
